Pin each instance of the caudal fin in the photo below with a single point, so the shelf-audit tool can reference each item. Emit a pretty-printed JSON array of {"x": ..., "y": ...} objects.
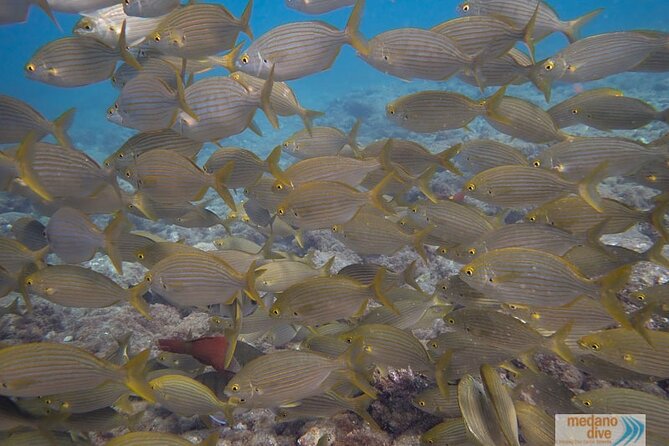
[
  {"x": 44, "y": 6},
  {"x": 135, "y": 376},
  {"x": 308, "y": 116},
  {"x": 557, "y": 343},
  {"x": 574, "y": 26},
  {"x": 112, "y": 233},
  {"x": 60, "y": 126},
  {"x": 272, "y": 163},
  {"x": 265, "y": 100},
  {"x": 352, "y": 30},
  {"x": 587, "y": 188},
  {"x": 246, "y": 18},
  {"x": 220, "y": 178},
  {"x": 136, "y": 299},
  {"x": 122, "y": 47}
]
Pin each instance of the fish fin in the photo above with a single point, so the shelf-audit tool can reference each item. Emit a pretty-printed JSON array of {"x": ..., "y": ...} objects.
[
  {"x": 253, "y": 126},
  {"x": 212, "y": 439},
  {"x": 353, "y": 138},
  {"x": 272, "y": 162},
  {"x": 376, "y": 195},
  {"x": 44, "y": 6},
  {"x": 587, "y": 188},
  {"x": 135, "y": 376},
  {"x": 377, "y": 287},
  {"x": 557, "y": 344},
  {"x": 639, "y": 318},
  {"x": 123, "y": 404},
  {"x": 26, "y": 172},
  {"x": 23, "y": 290},
  {"x": 409, "y": 276},
  {"x": 232, "y": 334},
  {"x": 358, "y": 405},
  {"x": 181, "y": 98},
  {"x": 543, "y": 84},
  {"x": 418, "y": 240},
  {"x": 60, "y": 126},
  {"x": 423, "y": 183},
  {"x": 308, "y": 116},
  {"x": 122, "y": 47},
  {"x": 299, "y": 238},
  {"x": 654, "y": 254},
  {"x": 327, "y": 266},
  {"x": 657, "y": 215},
  {"x": 117, "y": 226},
  {"x": 440, "y": 368},
  {"x": 609, "y": 285},
  {"x": 493, "y": 102},
  {"x": 250, "y": 290},
  {"x": 220, "y": 178},
  {"x": 574, "y": 26},
  {"x": 528, "y": 32},
  {"x": 135, "y": 298},
  {"x": 444, "y": 159},
  {"x": 352, "y": 30},
  {"x": 228, "y": 61},
  {"x": 265, "y": 101},
  {"x": 246, "y": 18}
]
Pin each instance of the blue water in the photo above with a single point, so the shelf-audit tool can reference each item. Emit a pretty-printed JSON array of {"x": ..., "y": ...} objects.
[{"x": 92, "y": 132}]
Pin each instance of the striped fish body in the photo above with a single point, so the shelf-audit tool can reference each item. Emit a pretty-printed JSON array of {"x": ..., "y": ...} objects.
[
  {"x": 105, "y": 25},
  {"x": 72, "y": 62},
  {"x": 149, "y": 8},
  {"x": 370, "y": 233},
  {"x": 78, "y": 6},
  {"x": 72, "y": 236},
  {"x": 617, "y": 112},
  {"x": 318, "y": 300},
  {"x": 267, "y": 196},
  {"x": 318, "y": 6},
  {"x": 146, "y": 103},
  {"x": 651, "y": 175},
  {"x": 478, "y": 413},
  {"x": 19, "y": 119},
  {"x": 511, "y": 68},
  {"x": 283, "y": 98},
  {"x": 518, "y": 186},
  {"x": 481, "y": 154},
  {"x": 522, "y": 119},
  {"x": 482, "y": 35},
  {"x": 462, "y": 221},
  {"x": 527, "y": 276},
  {"x": 15, "y": 256},
  {"x": 280, "y": 378},
  {"x": 247, "y": 170},
  {"x": 148, "y": 439},
  {"x": 34, "y": 369},
  {"x": 433, "y": 111},
  {"x": 137, "y": 144},
  {"x": 153, "y": 67},
  {"x": 575, "y": 159},
  {"x": 185, "y": 396},
  {"x": 75, "y": 286},
  {"x": 320, "y": 204},
  {"x": 278, "y": 275},
  {"x": 194, "y": 280},
  {"x": 198, "y": 30},
  {"x": 413, "y": 53},
  {"x": 657, "y": 62},
  {"x": 295, "y": 50},
  {"x": 223, "y": 107},
  {"x": 346, "y": 170},
  {"x": 566, "y": 113},
  {"x": 432, "y": 401},
  {"x": 30, "y": 232},
  {"x": 447, "y": 433},
  {"x": 166, "y": 177},
  {"x": 322, "y": 141},
  {"x": 536, "y": 425}
]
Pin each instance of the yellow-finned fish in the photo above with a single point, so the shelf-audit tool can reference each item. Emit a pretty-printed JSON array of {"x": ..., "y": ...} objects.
[
  {"x": 158, "y": 438},
  {"x": 20, "y": 119}
]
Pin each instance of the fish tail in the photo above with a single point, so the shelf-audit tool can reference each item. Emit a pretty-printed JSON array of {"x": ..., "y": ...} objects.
[
  {"x": 445, "y": 159},
  {"x": 135, "y": 376},
  {"x": 44, "y": 6},
  {"x": 136, "y": 299},
  {"x": 220, "y": 178},
  {"x": 492, "y": 104},
  {"x": 352, "y": 30},
  {"x": 26, "y": 172},
  {"x": 418, "y": 240},
  {"x": 232, "y": 334},
  {"x": 122, "y": 47},
  {"x": 423, "y": 183},
  {"x": 246, "y": 18},
  {"x": 327, "y": 266},
  {"x": 587, "y": 188},
  {"x": 574, "y": 26},
  {"x": 557, "y": 343},
  {"x": 60, "y": 126},
  {"x": 657, "y": 215},
  {"x": 265, "y": 102},
  {"x": 609, "y": 285},
  {"x": 639, "y": 319},
  {"x": 272, "y": 162},
  {"x": 353, "y": 138},
  {"x": 528, "y": 32},
  {"x": 212, "y": 439},
  {"x": 112, "y": 233},
  {"x": 376, "y": 194},
  {"x": 360, "y": 406},
  {"x": 377, "y": 287},
  {"x": 543, "y": 84},
  {"x": 654, "y": 254},
  {"x": 308, "y": 116},
  {"x": 409, "y": 276},
  {"x": 250, "y": 290},
  {"x": 228, "y": 61},
  {"x": 181, "y": 98}
]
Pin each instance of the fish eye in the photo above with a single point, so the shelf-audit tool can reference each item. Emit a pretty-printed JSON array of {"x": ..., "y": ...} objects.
[
  {"x": 430, "y": 440},
  {"x": 128, "y": 174},
  {"x": 348, "y": 340},
  {"x": 537, "y": 163},
  {"x": 295, "y": 313},
  {"x": 280, "y": 211},
  {"x": 31, "y": 67},
  {"x": 235, "y": 388},
  {"x": 29, "y": 282},
  {"x": 245, "y": 59},
  {"x": 651, "y": 177},
  {"x": 595, "y": 346},
  {"x": 295, "y": 213},
  {"x": 335, "y": 228},
  {"x": 469, "y": 271},
  {"x": 391, "y": 110},
  {"x": 148, "y": 278},
  {"x": 434, "y": 345},
  {"x": 121, "y": 155},
  {"x": 88, "y": 27},
  {"x": 276, "y": 312},
  {"x": 640, "y": 297},
  {"x": 156, "y": 37},
  {"x": 587, "y": 403},
  {"x": 471, "y": 187},
  {"x": 533, "y": 218},
  {"x": 443, "y": 251},
  {"x": 549, "y": 65},
  {"x": 385, "y": 57},
  {"x": 451, "y": 321},
  {"x": 574, "y": 111},
  {"x": 627, "y": 357},
  {"x": 279, "y": 186},
  {"x": 513, "y": 307},
  {"x": 466, "y": 7},
  {"x": 472, "y": 251}
]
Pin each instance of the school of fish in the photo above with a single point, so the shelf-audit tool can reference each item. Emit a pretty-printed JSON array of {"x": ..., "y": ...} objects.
[{"x": 525, "y": 230}]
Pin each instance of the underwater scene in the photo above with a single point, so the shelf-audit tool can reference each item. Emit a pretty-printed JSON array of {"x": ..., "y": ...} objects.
[{"x": 334, "y": 222}]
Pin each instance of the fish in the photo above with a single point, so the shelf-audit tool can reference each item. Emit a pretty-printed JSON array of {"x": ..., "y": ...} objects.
[
  {"x": 166, "y": 139},
  {"x": 319, "y": 44},
  {"x": 74, "y": 238},
  {"x": 36, "y": 438},
  {"x": 575, "y": 159},
  {"x": 365, "y": 273},
  {"x": 320, "y": 141},
  {"x": 9, "y": 171},
  {"x": 458, "y": 293},
  {"x": 449, "y": 432},
  {"x": 148, "y": 103},
  {"x": 413, "y": 312},
  {"x": 78, "y": 6},
  {"x": 280, "y": 274},
  {"x": 478, "y": 413},
  {"x": 81, "y": 401},
  {"x": 186, "y": 397},
  {"x": 152, "y": 67},
  {"x": 596, "y": 57},
  {"x": 247, "y": 169},
  {"x": 620, "y": 400},
  {"x": 326, "y": 406},
  {"x": 149, "y": 8},
  {"x": 351, "y": 171},
  {"x": 105, "y": 25},
  {"x": 209, "y": 350},
  {"x": 199, "y": 30},
  {"x": 162, "y": 438},
  {"x": 318, "y": 6},
  {"x": 20, "y": 119},
  {"x": 536, "y": 425},
  {"x": 166, "y": 177},
  {"x": 525, "y": 186},
  {"x": 512, "y": 68},
  {"x": 16, "y": 257},
  {"x": 656, "y": 294},
  {"x": 223, "y": 107},
  {"x": 550, "y": 394},
  {"x": 318, "y": 300},
  {"x": 414, "y": 53},
  {"x": 75, "y": 286},
  {"x": 29, "y": 232},
  {"x": 77, "y": 61},
  {"x": 547, "y": 20},
  {"x": 282, "y": 99},
  {"x": 502, "y": 404},
  {"x": 29, "y": 369},
  {"x": 478, "y": 155},
  {"x": 566, "y": 113},
  {"x": 306, "y": 206},
  {"x": 433, "y": 111},
  {"x": 433, "y": 401},
  {"x": 18, "y": 13},
  {"x": 413, "y": 158}
]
